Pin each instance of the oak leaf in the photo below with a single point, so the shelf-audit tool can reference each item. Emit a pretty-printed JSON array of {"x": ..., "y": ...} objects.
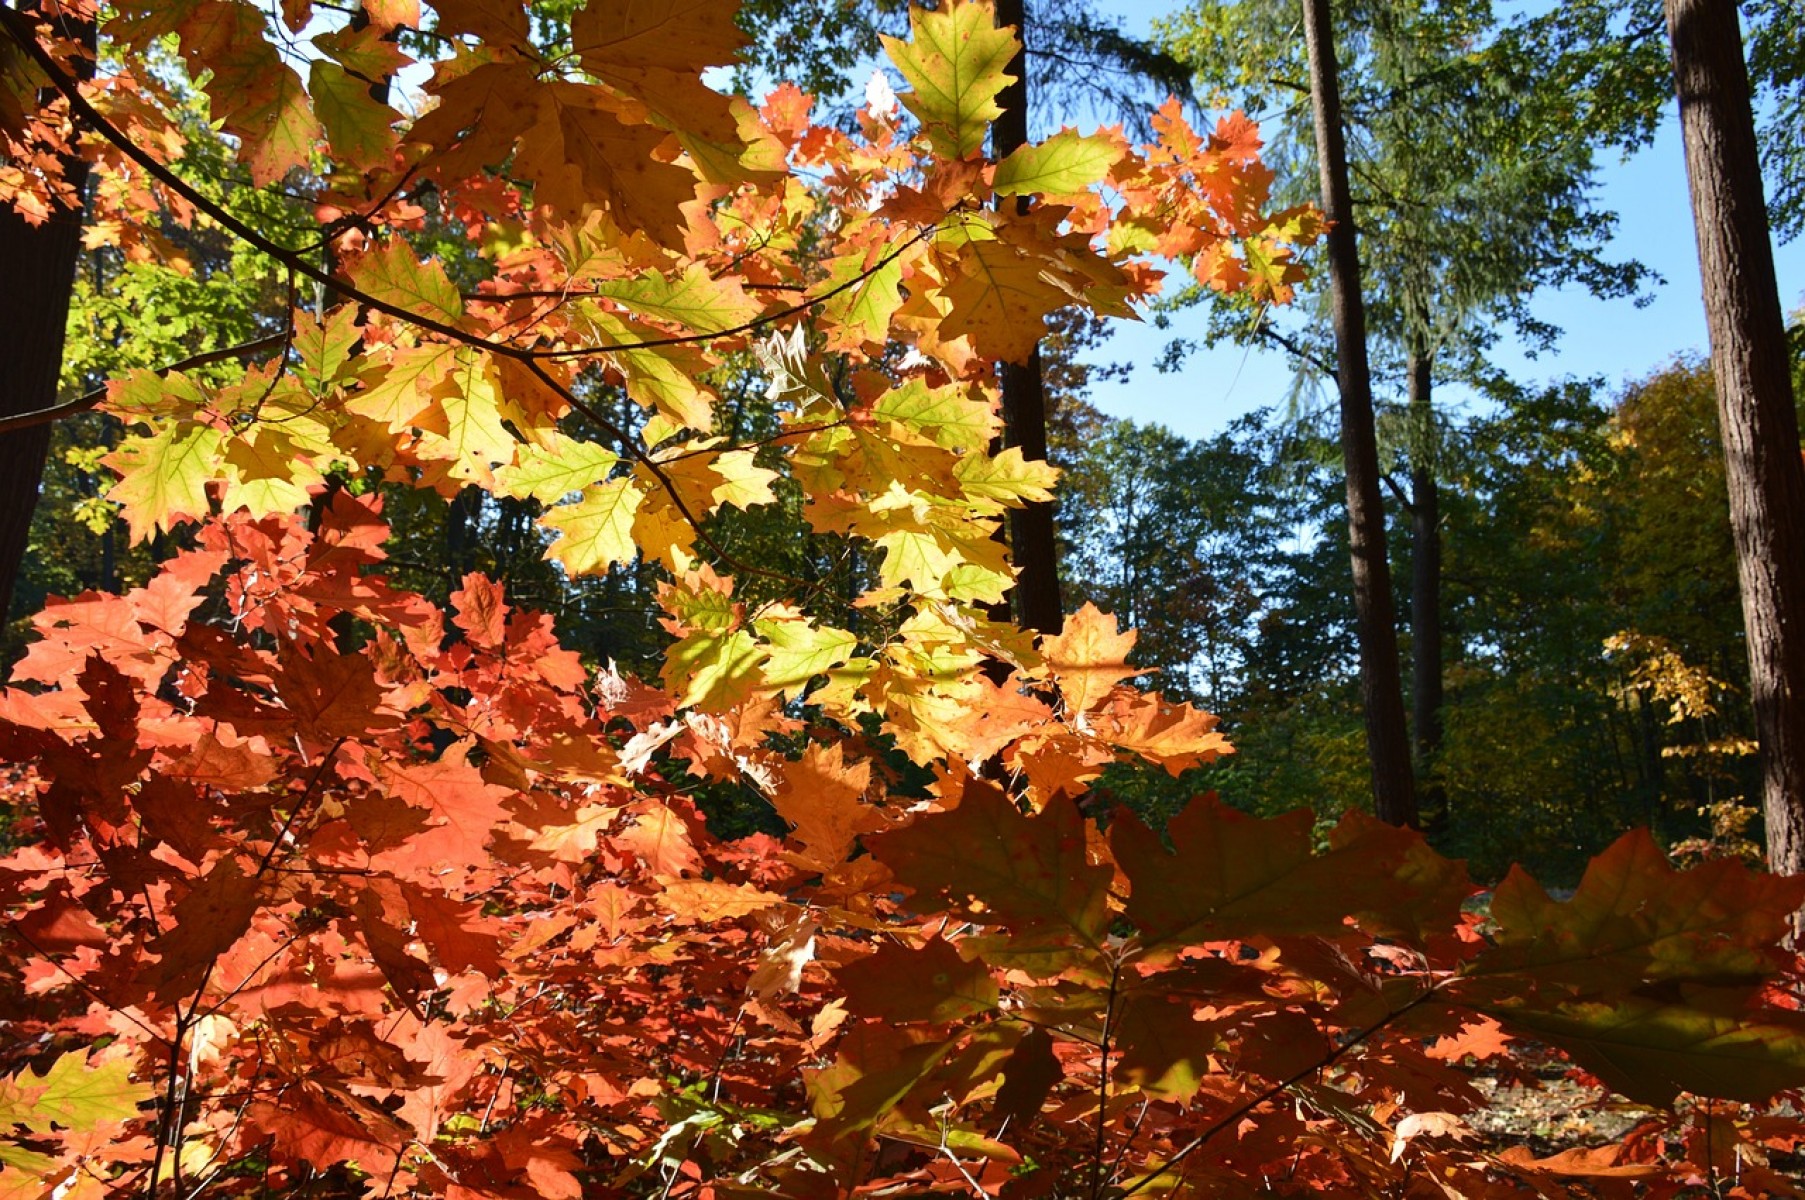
[
  {"x": 1088, "y": 657},
  {"x": 956, "y": 63}
]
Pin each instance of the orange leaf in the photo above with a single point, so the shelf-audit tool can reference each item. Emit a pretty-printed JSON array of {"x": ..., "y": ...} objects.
[{"x": 1088, "y": 657}]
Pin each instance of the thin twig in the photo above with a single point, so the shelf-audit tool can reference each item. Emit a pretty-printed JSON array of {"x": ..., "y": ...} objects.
[
  {"x": 82, "y": 404},
  {"x": 1235, "y": 1114}
]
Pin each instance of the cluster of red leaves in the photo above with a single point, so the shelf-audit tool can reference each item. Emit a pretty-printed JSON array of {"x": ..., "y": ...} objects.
[{"x": 424, "y": 907}]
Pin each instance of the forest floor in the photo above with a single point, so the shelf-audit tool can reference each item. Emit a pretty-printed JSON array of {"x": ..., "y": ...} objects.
[{"x": 1557, "y": 1114}]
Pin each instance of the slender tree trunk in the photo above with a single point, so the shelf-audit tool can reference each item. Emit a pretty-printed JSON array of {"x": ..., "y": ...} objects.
[
  {"x": 37, "y": 280},
  {"x": 1381, "y": 693},
  {"x": 1754, "y": 397},
  {"x": 461, "y": 516},
  {"x": 1425, "y": 589},
  {"x": 1036, "y": 552}
]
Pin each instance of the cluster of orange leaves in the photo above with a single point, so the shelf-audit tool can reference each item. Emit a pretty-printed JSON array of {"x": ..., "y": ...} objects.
[
  {"x": 432, "y": 908},
  {"x": 320, "y": 887}
]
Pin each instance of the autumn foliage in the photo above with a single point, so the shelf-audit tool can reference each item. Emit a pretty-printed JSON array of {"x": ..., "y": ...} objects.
[{"x": 322, "y": 886}]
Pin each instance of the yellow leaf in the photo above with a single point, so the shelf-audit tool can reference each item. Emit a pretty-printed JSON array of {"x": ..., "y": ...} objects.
[
  {"x": 800, "y": 651},
  {"x": 473, "y": 436},
  {"x": 597, "y": 531},
  {"x": 163, "y": 477},
  {"x": 743, "y": 483},
  {"x": 1005, "y": 480},
  {"x": 704, "y": 900},
  {"x": 1000, "y": 300},
  {"x": 267, "y": 474},
  {"x": 713, "y": 671},
  {"x": 394, "y": 274},
  {"x": 399, "y": 391}
]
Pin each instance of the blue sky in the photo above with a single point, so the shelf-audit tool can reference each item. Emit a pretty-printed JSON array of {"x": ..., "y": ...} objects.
[{"x": 1613, "y": 339}]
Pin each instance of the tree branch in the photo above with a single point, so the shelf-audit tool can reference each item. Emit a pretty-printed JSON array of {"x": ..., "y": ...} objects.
[
  {"x": 1295, "y": 348},
  {"x": 82, "y": 404},
  {"x": 1392, "y": 486}
]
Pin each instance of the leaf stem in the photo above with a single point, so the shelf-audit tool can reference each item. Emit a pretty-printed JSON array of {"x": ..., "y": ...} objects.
[{"x": 1241, "y": 1110}]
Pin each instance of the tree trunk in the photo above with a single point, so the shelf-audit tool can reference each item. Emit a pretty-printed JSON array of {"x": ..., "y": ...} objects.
[
  {"x": 461, "y": 517},
  {"x": 1425, "y": 590},
  {"x": 37, "y": 265},
  {"x": 1036, "y": 552},
  {"x": 1381, "y": 693},
  {"x": 1754, "y": 397}
]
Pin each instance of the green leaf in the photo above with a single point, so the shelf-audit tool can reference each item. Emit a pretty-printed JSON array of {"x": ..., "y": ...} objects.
[
  {"x": 1066, "y": 162},
  {"x": 358, "y": 127},
  {"x": 799, "y": 651},
  {"x": 323, "y": 349},
  {"x": 956, "y": 62},
  {"x": 697, "y": 299},
  {"x": 947, "y": 414},
  {"x": 74, "y": 1094},
  {"x": 1007, "y": 479},
  {"x": 871, "y": 296},
  {"x": 554, "y": 469},
  {"x": 713, "y": 671},
  {"x": 661, "y": 376}
]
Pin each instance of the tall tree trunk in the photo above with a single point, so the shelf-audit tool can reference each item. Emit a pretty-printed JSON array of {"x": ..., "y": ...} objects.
[
  {"x": 37, "y": 279},
  {"x": 1037, "y": 604},
  {"x": 1425, "y": 589},
  {"x": 1381, "y": 693},
  {"x": 1754, "y": 397}
]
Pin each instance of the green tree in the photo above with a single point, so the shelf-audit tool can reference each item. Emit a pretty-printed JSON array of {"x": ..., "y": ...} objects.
[
  {"x": 1471, "y": 189},
  {"x": 1181, "y": 534}
]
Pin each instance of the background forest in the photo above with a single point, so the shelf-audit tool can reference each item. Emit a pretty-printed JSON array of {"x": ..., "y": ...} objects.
[{"x": 1588, "y": 670}]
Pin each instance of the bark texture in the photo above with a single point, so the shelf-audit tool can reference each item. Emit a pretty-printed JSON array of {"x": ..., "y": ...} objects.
[
  {"x": 1381, "y": 693},
  {"x": 1754, "y": 396},
  {"x": 1032, "y": 536},
  {"x": 37, "y": 279},
  {"x": 1425, "y": 592}
]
